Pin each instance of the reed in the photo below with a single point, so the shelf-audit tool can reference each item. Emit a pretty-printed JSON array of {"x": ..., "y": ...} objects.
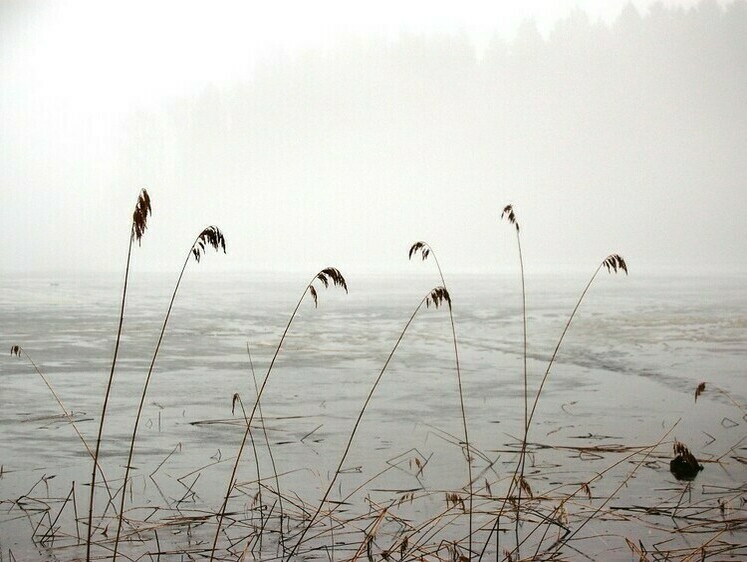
[
  {"x": 209, "y": 237},
  {"x": 508, "y": 212},
  {"x": 326, "y": 276},
  {"x": 137, "y": 229},
  {"x": 269, "y": 447},
  {"x": 701, "y": 389},
  {"x": 391, "y": 529},
  {"x": 437, "y": 297},
  {"x": 18, "y": 351},
  {"x": 425, "y": 251},
  {"x": 612, "y": 263},
  {"x": 237, "y": 400}
]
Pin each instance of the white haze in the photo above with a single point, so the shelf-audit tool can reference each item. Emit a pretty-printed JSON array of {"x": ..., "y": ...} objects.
[{"x": 322, "y": 135}]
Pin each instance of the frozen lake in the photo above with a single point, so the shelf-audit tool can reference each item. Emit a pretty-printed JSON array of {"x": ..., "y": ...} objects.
[{"x": 624, "y": 380}]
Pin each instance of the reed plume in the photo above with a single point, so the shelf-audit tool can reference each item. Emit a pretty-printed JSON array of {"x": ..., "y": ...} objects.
[
  {"x": 327, "y": 276},
  {"x": 437, "y": 297},
  {"x": 425, "y": 251},
  {"x": 701, "y": 388},
  {"x": 137, "y": 229},
  {"x": 209, "y": 237}
]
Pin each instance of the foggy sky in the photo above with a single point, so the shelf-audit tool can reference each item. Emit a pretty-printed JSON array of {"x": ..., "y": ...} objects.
[{"x": 627, "y": 136}]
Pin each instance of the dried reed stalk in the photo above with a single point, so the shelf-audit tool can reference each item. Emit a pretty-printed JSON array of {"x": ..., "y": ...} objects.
[
  {"x": 209, "y": 237},
  {"x": 425, "y": 251},
  {"x": 137, "y": 229},
  {"x": 508, "y": 212},
  {"x": 437, "y": 297},
  {"x": 325, "y": 276},
  {"x": 17, "y": 350},
  {"x": 613, "y": 263},
  {"x": 269, "y": 447}
]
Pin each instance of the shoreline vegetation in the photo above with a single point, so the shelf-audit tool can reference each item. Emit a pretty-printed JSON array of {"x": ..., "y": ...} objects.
[{"x": 510, "y": 504}]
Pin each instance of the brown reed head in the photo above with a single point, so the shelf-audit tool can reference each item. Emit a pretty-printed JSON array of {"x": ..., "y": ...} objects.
[
  {"x": 508, "y": 212},
  {"x": 613, "y": 262},
  {"x": 421, "y": 247},
  {"x": 140, "y": 216},
  {"x": 437, "y": 297},
  {"x": 700, "y": 390},
  {"x": 211, "y": 236},
  {"x": 326, "y": 276},
  {"x": 15, "y": 350},
  {"x": 526, "y": 487}
]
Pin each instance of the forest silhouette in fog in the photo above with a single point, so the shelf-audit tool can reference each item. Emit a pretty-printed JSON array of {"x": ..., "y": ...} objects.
[
  {"x": 336, "y": 153},
  {"x": 649, "y": 108}
]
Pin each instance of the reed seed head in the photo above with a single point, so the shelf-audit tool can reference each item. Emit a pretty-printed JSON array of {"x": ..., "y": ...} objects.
[
  {"x": 211, "y": 236},
  {"x": 326, "y": 276},
  {"x": 526, "y": 487},
  {"x": 421, "y": 247},
  {"x": 700, "y": 390},
  {"x": 235, "y": 399},
  {"x": 508, "y": 212},
  {"x": 613, "y": 262},
  {"x": 684, "y": 466},
  {"x": 680, "y": 449},
  {"x": 140, "y": 216},
  {"x": 15, "y": 350},
  {"x": 438, "y": 296}
]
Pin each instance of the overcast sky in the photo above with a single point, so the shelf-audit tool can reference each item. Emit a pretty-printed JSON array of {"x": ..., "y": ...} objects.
[{"x": 336, "y": 133}]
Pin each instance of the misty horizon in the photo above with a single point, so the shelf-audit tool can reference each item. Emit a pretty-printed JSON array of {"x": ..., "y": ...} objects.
[{"x": 625, "y": 137}]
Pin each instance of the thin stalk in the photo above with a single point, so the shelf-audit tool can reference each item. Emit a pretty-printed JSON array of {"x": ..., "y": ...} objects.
[
  {"x": 612, "y": 262},
  {"x": 269, "y": 448},
  {"x": 432, "y": 296},
  {"x": 139, "y": 224},
  {"x": 106, "y": 403},
  {"x": 426, "y": 250},
  {"x": 508, "y": 212},
  {"x": 523, "y": 454},
  {"x": 234, "y": 470},
  {"x": 210, "y": 236},
  {"x": 17, "y": 350},
  {"x": 128, "y": 466},
  {"x": 236, "y": 398},
  {"x": 325, "y": 276}
]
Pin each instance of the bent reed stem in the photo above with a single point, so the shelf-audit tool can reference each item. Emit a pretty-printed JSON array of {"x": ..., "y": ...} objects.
[
  {"x": 426, "y": 250},
  {"x": 17, "y": 350},
  {"x": 325, "y": 276},
  {"x": 613, "y": 262},
  {"x": 269, "y": 447},
  {"x": 437, "y": 296},
  {"x": 209, "y": 236}
]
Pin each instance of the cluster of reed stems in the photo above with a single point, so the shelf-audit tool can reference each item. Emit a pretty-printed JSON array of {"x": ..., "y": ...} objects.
[
  {"x": 518, "y": 487},
  {"x": 208, "y": 237}
]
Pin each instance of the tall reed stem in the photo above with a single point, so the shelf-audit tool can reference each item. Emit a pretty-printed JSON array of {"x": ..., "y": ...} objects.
[
  {"x": 326, "y": 276},
  {"x": 613, "y": 262},
  {"x": 436, "y": 296},
  {"x": 426, "y": 250},
  {"x": 209, "y": 236},
  {"x": 139, "y": 224}
]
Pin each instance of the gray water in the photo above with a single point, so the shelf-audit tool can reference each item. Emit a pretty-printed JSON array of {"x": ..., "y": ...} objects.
[{"x": 625, "y": 375}]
